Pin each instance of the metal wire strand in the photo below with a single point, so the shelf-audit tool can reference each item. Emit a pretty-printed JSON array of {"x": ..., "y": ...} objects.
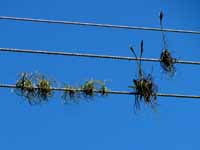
[
  {"x": 112, "y": 92},
  {"x": 97, "y": 25},
  {"x": 46, "y": 52}
]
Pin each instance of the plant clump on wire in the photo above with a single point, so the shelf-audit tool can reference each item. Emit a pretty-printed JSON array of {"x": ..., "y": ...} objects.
[
  {"x": 88, "y": 90},
  {"x": 144, "y": 86},
  {"x": 44, "y": 88},
  {"x": 71, "y": 94},
  {"x": 34, "y": 87},
  {"x": 25, "y": 87},
  {"x": 167, "y": 61},
  {"x": 92, "y": 87}
]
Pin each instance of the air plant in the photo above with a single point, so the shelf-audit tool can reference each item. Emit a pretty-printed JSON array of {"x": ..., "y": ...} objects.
[
  {"x": 25, "y": 87},
  {"x": 44, "y": 88},
  {"x": 144, "y": 86},
  {"x": 71, "y": 94},
  {"x": 88, "y": 89},
  {"x": 167, "y": 62},
  {"x": 103, "y": 89},
  {"x": 91, "y": 87},
  {"x": 166, "y": 59}
]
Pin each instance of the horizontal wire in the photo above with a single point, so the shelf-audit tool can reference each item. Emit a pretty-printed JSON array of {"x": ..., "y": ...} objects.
[
  {"x": 98, "y": 25},
  {"x": 45, "y": 52},
  {"x": 111, "y": 92}
]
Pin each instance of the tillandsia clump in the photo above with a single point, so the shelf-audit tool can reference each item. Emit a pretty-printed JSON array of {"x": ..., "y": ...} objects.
[
  {"x": 144, "y": 86},
  {"x": 34, "y": 87},
  {"x": 92, "y": 87},
  {"x": 25, "y": 87},
  {"x": 89, "y": 89},
  {"x": 71, "y": 94},
  {"x": 44, "y": 88},
  {"x": 145, "y": 89},
  {"x": 167, "y": 62},
  {"x": 103, "y": 89}
]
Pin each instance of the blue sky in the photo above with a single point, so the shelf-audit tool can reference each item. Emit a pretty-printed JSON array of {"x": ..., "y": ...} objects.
[{"x": 106, "y": 123}]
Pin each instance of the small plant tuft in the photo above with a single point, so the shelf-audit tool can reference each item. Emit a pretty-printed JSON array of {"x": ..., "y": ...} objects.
[
  {"x": 44, "y": 90},
  {"x": 167, "y": 62},
  {"x": 25, "y": 87},
  {"x": 88, "y": 89},
  {"x": 104, "y": 90},
  {"x": 71, "y": 94},
  {"x": 145, "y": 90}
]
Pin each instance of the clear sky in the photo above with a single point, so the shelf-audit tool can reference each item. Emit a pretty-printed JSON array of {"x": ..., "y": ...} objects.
[{"x": 106, "y": 123}]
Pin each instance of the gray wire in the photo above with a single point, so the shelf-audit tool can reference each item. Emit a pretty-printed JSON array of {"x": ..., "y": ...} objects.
[
  {"x": 98, "y": 25},
  {"x": 45, "y": 52},
  {"x": 113, "y": 92}
]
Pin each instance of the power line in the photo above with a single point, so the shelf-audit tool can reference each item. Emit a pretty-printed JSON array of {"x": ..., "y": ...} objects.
[
  {"x": 46, "y": 52},
  {"x": 112, "y": 92},
  {"x": 98, "y": 25}
]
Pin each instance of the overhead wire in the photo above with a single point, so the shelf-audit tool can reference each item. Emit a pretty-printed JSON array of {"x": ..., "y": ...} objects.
[
  {"x": 112, "y": 92},
  {"x": 97, "y": 25},
  {"x": 59, "y": 53}
]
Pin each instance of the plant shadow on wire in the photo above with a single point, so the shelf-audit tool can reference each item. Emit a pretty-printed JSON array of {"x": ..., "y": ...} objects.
[{"x": 144, "y": 87}]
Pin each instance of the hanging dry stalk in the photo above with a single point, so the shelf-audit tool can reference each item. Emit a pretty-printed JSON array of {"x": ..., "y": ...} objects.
[
  {"x": 167, "y": 61},
  {"x": 144, "y": 86},
  {"x": 26, "y": 88}
]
